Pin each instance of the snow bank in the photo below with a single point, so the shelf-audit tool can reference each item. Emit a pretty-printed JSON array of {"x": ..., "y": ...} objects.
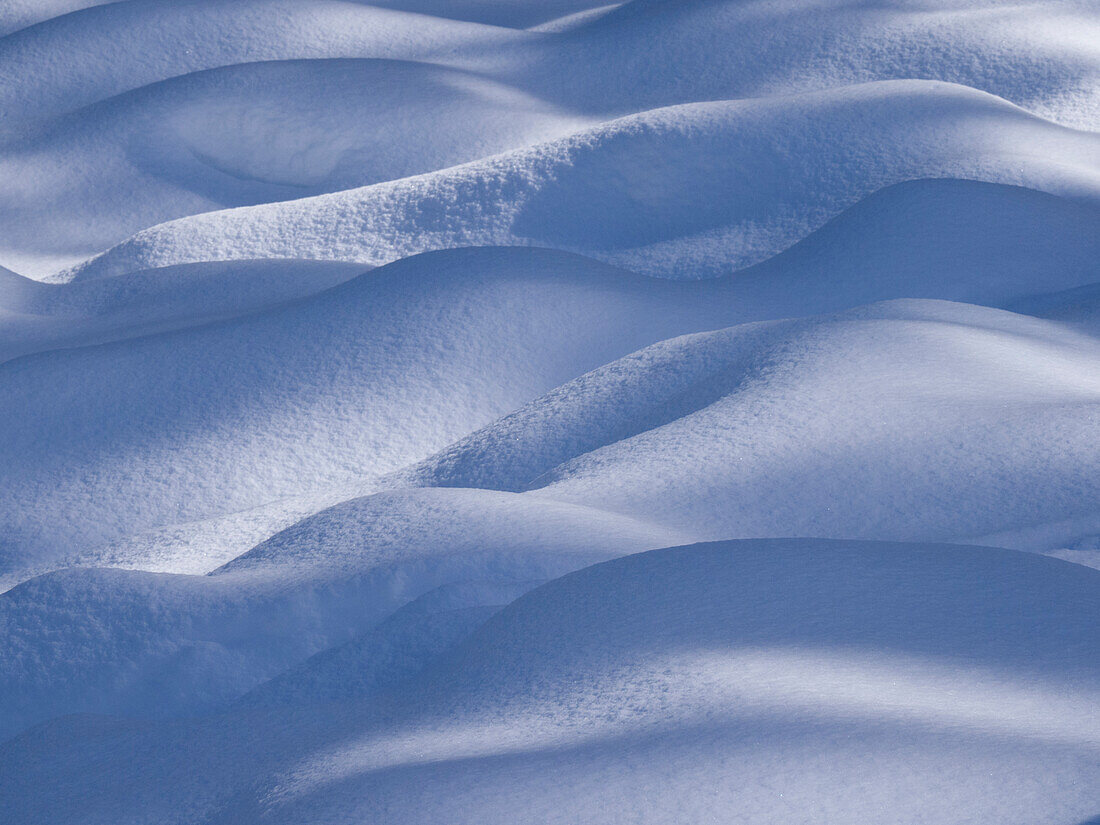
[
  {"x": 686, "y": 192},
  {"x": 355, "y": 357},
  {"x": 250, "y": 134},
  {"x": 152, "y": 644},
  {"x": 767, "y": 681},
  {"x": 60, "y": 64},
  {"x": 328, "y": 392},
  {"x": 907, "y": 420}
]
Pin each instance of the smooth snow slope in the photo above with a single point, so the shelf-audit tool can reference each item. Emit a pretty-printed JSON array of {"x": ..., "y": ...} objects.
[
  {"x": 597, "y": 64},
  {"x": 866, "y": 424},
  {"x": 686, "y": 192},
  {"x": 751, "y": 430},
  {"x": 1044, "y": 56},
  {"x": 19, "y": 14},
  {"x": 248, "y": 134},
  {"x": 510, "y": 13},
  {"x": 916, "y": 420},
  {"x": 59, "y": 65},
  {"x": 38, "y": 317},
  {"x": 334, "y": 390},
  {"x": 762, "y": 682},
  {"x": 66, "y": 135},
  {"x": 955, "y": 239},
  {"x": 357, "y": 358},
  {"x": 940, "y": 238},
  {"x": 153, "y": 644},
  {"x": 450, "y": 341}
]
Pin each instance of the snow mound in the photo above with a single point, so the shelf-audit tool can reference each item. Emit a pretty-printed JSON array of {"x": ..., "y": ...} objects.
[
  {"x": 331, "y": 391},
  {"x": 59, "y": 65},
  {"x": 18, "y": 294},
  {"x": 176, "y": 143},
  {"x": 871, "y": 421},
  {"x": 151, "y": 644},
  {"x": 251, "y": 134},
  {"x": 787, "y": 668},
  {"x": 356, "y": 355},
  {"x": 19, "y": 14},
  {"x": 768, "y": 680},
  {"x": 392, "y": 652},
  {"x": 938, "y": 238},
  {"x": 510, "y": 13},
  {"x": 1079, "y": 306},
  {"x": 640, "y": 55},
  {"x": 686, "y": 192},
  {"x": 38, "y": 317},
  {"x": 274, "y": 407},
  {"x": 1044, "y": 56},
  {"x": 958, "y": 240},
  {"x": 914, "y": 420},
  {"x": 974, "y": 607}
]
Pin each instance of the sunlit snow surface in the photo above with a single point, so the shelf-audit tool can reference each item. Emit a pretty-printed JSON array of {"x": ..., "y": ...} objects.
[{"x": 552, "y": 411}]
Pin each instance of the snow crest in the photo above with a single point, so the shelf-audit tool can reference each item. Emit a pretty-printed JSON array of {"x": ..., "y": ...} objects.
[{"x": 495, "y": 411}]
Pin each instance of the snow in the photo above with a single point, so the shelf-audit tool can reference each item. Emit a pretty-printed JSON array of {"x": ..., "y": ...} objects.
[
  {"x": 746, "y": 679},
  {"x": 154, "y": 644},
  {"x": 491, "y": 411},
  {"x": 331, "y": 391},
  {"x": 690, "y": 191},
  {"x": 257, "y": 132},
  {"x": 861, "y": 424}
]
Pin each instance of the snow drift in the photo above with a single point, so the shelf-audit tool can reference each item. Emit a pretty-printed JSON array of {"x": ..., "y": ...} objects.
[
  {"x": 689, "y": 191},
  {"x": 562, "y": 411},
  {"x": 786, "y": 678}
]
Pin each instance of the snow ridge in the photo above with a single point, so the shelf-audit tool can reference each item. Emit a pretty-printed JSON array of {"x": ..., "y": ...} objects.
[{"x": 485, "y": 411}]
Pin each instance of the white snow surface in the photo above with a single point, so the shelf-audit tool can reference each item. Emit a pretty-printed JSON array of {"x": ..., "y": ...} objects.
[
  {"x": 495, "y": 411},
  {"x": 755, "y": 681}
]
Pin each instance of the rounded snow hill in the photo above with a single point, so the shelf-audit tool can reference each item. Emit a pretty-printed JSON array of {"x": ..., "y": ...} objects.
[
  {"x": 391, "y": 652},
  {"x": 637, "y": 56},
  {"x": 334, "y": 390},
  {"x": 747, "y": 681},
  {"x": 70, "y": 140},
  {"x": 908, "y": 420},
  {"x": 275, "y": 406},
  {"x": 38, "y": 317},
  {"x": 18, "y": 14},
  {"x": 958, "y": 240},
  {"x": 685, "y": 192},
  {"x": 249, "y": 134},
  {"x": 19, "y": 295},
  {"x": 68, "y": 62},
  {"x": 966, "y": 606},
  {"x": 961, "y": 240},
  {"x": 145, "y": 644},
  {"x": 1044, "y": 56},
  {"x": 759, "y": 681},
  {"x": 510, "y": 13},
  {"x": 1079, "y": 306}
]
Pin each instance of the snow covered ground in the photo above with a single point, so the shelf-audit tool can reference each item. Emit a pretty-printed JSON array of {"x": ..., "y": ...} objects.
[{"x": 495, "y": 411}]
